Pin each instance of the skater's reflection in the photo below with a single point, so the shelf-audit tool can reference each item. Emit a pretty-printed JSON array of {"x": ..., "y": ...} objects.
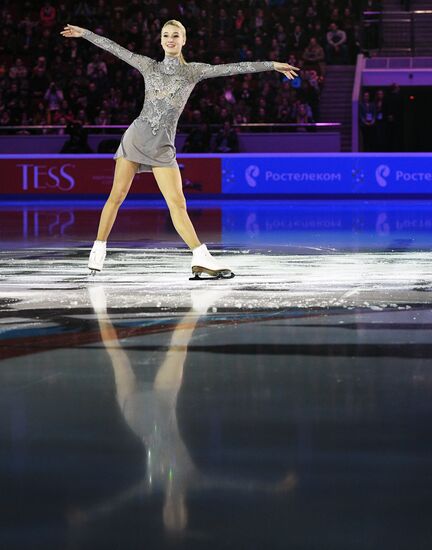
[{"x": 150, "y": 411}]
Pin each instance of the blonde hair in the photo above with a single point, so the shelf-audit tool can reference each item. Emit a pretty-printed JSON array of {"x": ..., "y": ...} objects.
[{"x": 177, "y": 24}]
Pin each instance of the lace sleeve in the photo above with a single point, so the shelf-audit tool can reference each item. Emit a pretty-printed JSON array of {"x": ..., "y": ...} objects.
[
  {"x": 140, "y": 62},
  {"x": 200, "y": 71}
]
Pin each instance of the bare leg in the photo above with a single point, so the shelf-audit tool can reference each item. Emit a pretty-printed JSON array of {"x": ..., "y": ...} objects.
[
  {"x": 125, "y": 171},
  {"x": 170, "y": 184}
]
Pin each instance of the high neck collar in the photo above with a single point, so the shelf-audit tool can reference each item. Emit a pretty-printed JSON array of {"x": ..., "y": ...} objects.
[{"x": 171, "y": 61}]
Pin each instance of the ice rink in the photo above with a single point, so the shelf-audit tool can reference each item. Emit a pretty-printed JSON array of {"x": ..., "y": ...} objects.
[{"x": 289, "y": 407}]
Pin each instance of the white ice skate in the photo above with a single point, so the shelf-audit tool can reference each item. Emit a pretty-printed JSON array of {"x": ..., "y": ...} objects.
[
  {"x": 97, "y": 257},
  {"x": 203, "y": 262}
]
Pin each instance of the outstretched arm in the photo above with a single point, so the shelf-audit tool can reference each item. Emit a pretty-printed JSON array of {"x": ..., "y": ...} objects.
[
  {"x": 204, "y": 70},
  {"x": 139, "y": 62}
]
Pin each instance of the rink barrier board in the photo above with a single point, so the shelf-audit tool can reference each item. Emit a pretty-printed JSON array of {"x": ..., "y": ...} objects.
[{"x": 346, "y": 175}]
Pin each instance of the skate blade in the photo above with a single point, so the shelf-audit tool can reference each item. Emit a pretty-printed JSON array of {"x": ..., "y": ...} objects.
[
  {"x": 222, "y": 274},
  {"x": 93, "y": 271}
]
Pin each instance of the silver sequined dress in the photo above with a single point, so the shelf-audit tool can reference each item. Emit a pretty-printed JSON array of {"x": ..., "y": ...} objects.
[{"x": 149, "y": 140}]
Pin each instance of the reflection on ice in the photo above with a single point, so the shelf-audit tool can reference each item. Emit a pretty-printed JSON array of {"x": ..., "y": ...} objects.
[
  {"x": 150, "y": 410},
  {"x": 356, "y": 225}
]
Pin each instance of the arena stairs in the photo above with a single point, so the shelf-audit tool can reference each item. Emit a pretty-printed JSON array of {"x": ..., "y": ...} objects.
[{"x": 335, "y": 104}]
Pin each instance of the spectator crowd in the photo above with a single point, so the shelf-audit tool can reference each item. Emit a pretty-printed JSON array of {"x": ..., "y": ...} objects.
[
  {"x": 381, "y": 119},
  {"x": 46, "y": 79}
]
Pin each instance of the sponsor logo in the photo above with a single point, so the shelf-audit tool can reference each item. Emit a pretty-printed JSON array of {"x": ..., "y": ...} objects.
[
  {"x": 358, "y": 175},
  {"x": 251, "y": 173},
  {"x": 41, "y": 176},
  {"x": 303, "y": 176},
  {"x": 381, "y": 174},
  {"x": 413, "y": 176}
]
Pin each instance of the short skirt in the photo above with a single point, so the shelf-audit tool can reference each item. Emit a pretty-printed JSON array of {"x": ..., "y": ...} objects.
[{"x": 139, "y": 144}]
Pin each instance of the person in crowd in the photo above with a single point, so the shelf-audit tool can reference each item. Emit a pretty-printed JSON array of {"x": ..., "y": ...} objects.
[
  {"x": 319, "y": 33},
  {"x": 297, "y": 8},
  {"x": 9, "y": 43},
  {"x": 47, "y": 15},
  {"x": 259, "y": 51},
  {"x": 303, "y": 115},
  {"x": 103, "y": 118},
  {"x": 80, "y": 80},
  {"x": 40, "y": 115},
  {"x": 223, "y": 24},
  {"x": 298, "y": 40},
  {"x": 311, "y": 90},
  {"x": 293, "y": 57},
  {"x": 380, "y": 121},
  {"x": 314, "y": 56},
  {"x": 226, "y": 140},
  {"x": 367, "y": 121},
  {"x": 198, "y": 140},
  {"x": 64, "y": 114},
  {"x": 5, "y": 119},
  {"x": 240, "y": 27},
  {"x": 41, "y": 63},
  {"x": 258, "y": 21},
  {"x": 53, "y": 97},
  {"x": 77, "y": 143},
  {"x": 25, "y": 42},
  {"x": 39, "y": 82},
  {"x": 83, "y": 10},
  {"x": 18, "y": 70},
  {"x": 395, "y": 119},
  {"x": 311, "y": 15},
  {"x": 337, "y": 52},
  {"x": 82, "y": 117},
  {"x": 97, "y": 68},
  {"x": 281, "y": 36}
]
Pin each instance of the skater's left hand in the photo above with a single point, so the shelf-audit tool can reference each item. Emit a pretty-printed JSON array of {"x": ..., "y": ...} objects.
[{"x": 288, "y": 70}]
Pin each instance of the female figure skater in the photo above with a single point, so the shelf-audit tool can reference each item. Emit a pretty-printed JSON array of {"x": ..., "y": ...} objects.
[{"x": 148, "y": 144}]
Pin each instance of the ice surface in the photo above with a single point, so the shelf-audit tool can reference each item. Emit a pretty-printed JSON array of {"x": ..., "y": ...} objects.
[{"x": 158, "y": 278}]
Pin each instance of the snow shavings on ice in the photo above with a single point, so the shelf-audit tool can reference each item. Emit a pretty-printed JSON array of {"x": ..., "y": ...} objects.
[{"x": 159, "y": 278}]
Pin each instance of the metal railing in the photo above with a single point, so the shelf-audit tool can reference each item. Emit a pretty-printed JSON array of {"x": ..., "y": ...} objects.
[
  {"x": 277, "y": 126},
  {"x": 53, "y": 129},
  {"x": 373, "y": 30}
]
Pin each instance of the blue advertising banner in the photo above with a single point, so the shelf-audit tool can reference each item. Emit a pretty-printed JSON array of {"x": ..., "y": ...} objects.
[{"x": 326, "y": 173}]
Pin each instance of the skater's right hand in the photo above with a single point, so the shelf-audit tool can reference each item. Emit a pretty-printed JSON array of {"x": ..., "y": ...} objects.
[{"x": 71, "y": 31}]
